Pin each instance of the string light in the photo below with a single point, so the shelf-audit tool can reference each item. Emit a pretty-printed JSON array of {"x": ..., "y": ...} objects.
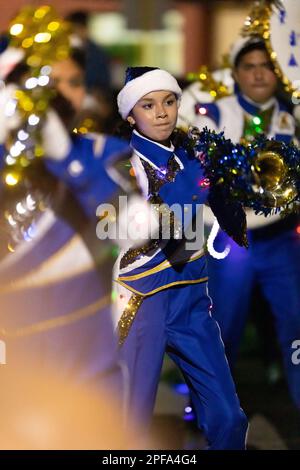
[
  {"x": 10, "y": 160},
  {"x": 203, "y": 183},
  {"x": 257, "y": 120},
  {"x": 33, "y": 120},
  {"x": 20, "y": 208},
  {"x": 16, "y": 29},
  {"x": 202, "y": 110},
  {"x": 22, "y": 135},
  {"x": 12, "y": 179}
]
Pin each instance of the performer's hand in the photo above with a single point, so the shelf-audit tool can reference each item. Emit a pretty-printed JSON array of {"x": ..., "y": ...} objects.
[
  {"x": 9, "y": 118},
  {"x": 56, "y": 140}
]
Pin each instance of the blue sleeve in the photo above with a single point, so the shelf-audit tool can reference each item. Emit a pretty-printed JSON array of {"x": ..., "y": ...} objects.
[
  {"x": 2, "y": 154},
  {"x": 189, "y": 186},
  {"x": 84, "y": 171}
]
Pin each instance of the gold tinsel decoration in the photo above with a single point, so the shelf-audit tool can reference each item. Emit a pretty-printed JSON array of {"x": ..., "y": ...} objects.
[
  {"x": 215, "y": 88},
  {"x": 41, "y": 34},
  {"x": 257, "y": 22}
]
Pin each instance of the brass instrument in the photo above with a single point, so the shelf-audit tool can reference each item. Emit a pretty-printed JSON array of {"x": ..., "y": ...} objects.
[
  {"x": 271, "y": 178},
  {"x": 263, "y": 175}
]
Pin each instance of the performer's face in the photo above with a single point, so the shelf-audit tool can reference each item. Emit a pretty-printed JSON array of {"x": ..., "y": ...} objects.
[
  {"x": 155, "y": 115},
  {"x": 255, "y": 76},
  {"x": 69, "y": 81}
]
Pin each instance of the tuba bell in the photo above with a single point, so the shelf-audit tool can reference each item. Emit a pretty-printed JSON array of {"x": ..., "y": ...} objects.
[{"x": 271, "y": 180}]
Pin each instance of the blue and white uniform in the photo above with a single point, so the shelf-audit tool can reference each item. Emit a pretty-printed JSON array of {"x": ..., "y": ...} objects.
[
  {"x": 55, "y": 289},
  {"x": 273, "y": 258},
  {"x": 169, "y": 282}
]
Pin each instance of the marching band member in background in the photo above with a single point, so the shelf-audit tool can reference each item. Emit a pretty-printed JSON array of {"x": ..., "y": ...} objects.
[{"x": 273, "y": 258}]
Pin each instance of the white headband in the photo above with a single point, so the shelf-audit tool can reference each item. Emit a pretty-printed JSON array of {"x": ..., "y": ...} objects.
[
  {"x": 240, "y": 44},
  {"x": 135, "y": 89}
]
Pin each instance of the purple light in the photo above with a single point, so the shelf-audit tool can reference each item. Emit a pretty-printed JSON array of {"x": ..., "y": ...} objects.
[
  {"x": 203, "y": 183},
  {"x": 188, "y": 414},
  {"x": 181, "y": 388},
  {"x": 161, "y": 173}
]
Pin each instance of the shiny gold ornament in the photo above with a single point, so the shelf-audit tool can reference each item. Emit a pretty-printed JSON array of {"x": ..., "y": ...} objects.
[{"x": 42, "y": 34}]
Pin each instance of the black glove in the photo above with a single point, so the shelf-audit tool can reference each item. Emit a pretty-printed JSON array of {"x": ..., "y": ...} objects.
[{"x": 229, "y": 213}]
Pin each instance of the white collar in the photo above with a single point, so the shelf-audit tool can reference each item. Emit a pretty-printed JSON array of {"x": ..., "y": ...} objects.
[{"x": 164, "y": 147}]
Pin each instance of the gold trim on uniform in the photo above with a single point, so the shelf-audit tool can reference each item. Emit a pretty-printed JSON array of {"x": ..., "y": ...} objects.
[
  {"x": 165, "y": 286},
  {"x": 135, "y": 302},
  {"x": 160, "y": 267},
  {"x": 128, "y": 316}
]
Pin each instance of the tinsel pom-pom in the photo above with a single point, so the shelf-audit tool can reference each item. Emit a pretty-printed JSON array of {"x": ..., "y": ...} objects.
[{"x": 263, "y": 175}]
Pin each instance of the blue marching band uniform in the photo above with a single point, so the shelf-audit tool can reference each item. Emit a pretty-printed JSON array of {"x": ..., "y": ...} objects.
[
  {"x": 165, "y": 288},
  {"x": 55, "y": 291}
]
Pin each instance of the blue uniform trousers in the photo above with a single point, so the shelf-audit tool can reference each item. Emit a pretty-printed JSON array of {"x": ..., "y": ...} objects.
[
  {"x": 177, "y": 320},
  {"x": 274, "y": 264}
]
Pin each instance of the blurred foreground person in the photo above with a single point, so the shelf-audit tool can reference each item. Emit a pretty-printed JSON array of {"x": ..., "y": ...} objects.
[
  {"x": 55, "y": 273},
  {"x": 41, "y": 410},
  {"x": 92, "y": 111}
]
